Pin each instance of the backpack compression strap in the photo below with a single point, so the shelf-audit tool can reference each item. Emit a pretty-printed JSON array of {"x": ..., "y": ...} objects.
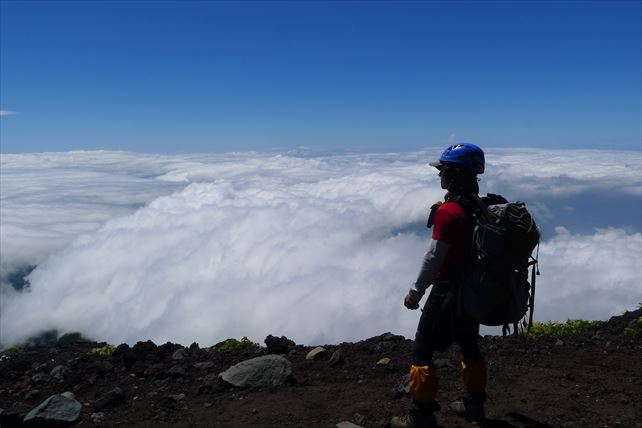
[{"x": 531, "y": 303}]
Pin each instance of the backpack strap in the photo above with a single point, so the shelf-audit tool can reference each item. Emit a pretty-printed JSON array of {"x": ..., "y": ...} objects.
[
  {"x": 431, "y": 216},
  {"x": 531, "y": 304},
  {"x": 486, "y": 215}
]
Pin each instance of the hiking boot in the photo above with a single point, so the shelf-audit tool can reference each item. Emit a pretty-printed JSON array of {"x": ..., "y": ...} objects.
[
  {"x": 471, "y": 407},
  {"x": 427, "y": 420}
]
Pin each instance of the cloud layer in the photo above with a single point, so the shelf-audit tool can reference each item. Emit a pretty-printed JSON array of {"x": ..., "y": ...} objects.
[{"x": 321, "y": 249}]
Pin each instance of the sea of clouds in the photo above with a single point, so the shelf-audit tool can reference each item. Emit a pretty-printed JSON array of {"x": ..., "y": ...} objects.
[{"x": 320, "y": 248}]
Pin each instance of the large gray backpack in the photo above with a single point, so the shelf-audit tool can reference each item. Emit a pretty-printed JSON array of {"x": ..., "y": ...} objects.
[{"x": 497, "y": 291}]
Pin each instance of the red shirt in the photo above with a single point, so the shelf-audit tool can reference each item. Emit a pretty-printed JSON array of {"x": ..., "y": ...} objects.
[{"x": 453, "y": 226}]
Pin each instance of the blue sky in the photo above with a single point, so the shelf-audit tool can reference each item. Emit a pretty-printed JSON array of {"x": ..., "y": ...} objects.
[{"x": 217, "y": 76}]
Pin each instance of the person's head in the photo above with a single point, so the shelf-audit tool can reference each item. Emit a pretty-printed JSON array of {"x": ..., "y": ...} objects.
[{"x": 458, "y": 168}]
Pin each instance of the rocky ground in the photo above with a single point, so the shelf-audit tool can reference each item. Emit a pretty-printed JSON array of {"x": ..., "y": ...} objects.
[{"x": 592, "y": 380}]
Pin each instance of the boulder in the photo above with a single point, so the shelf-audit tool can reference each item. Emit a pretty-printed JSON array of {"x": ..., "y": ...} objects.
[
  {"x": 141, "y": 351},
  {"x": 145, "y": 348},
  {"x": 385, "y": 342},
  {"x": 337, "y": 358},
  {"x": 179, "y": 370},
  {"x": 316, "y": 353},
  {"x": 59, "y": 410},
  {"x": 167, "y": 349},
  {"x": 278, "y": 345},
  {"x": 179, "y": 354},
  {"x": 211, "y": 383},
  {"x": 59, "y": 372},
  {"x": 111, "y": 399},
  {"x": 265, "y": 371}
]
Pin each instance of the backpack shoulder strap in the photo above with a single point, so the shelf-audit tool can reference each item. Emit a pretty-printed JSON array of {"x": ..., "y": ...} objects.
[
  {"x": 431, "y": 215},
  {"x": 483, "y": 208}
]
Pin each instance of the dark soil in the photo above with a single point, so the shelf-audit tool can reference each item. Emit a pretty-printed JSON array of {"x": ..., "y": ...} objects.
[{"x": 592, "y": 380}]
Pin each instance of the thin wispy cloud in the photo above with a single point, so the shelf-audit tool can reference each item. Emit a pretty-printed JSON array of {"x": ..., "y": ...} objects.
[
  {"x": 6, "y": 113},
  {"x": 203, "y": 247},
  {"x": 452, "y": 139}
]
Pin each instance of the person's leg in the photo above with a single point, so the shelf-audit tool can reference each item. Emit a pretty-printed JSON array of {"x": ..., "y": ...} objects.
[
  {"x": 423, "y": 376},
  {"x": 423, "y": 381},
  {"x": 473, "y": 372}
]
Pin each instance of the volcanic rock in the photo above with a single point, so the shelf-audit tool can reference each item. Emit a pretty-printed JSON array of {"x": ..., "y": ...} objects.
[
  {"x": 141, "y": 351},
  {"x": 391, "y": 337},
  {"x": 59, "y": 410},
  {"x": 540, "y": 381},
  {"x": 97, "y": 417},
  {"x": 31, "y": 393},
  {"x": 265, "y": 371},
  {"x": 385, "y": 342},
  {"x": 154, "y": 370},
  {"x": 359, "y": 419},
  {"x": 337, "y": 358},
  {"x": 144, "y": 348},
  {"x": 204, "y": 365},
  {"x": 40, "y": 367},
  {"x": 111, "y": 399},
  {"x": 40, "y": 378},
  {"x": 178, "y": 370},
  {"x": 402, "y": 387},
  {"x": 59, "y": 372},
  {"x": 179, "y": 354},
  {"x": 316, "y": 353},
  {"x": 346, "y": 424},
  {"x": 278, "y": 345},
  {"x": 211, "y": 383}
]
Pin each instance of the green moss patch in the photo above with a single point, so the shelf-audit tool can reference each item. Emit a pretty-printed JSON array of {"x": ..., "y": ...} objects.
[{"x": 232, "y": 343}]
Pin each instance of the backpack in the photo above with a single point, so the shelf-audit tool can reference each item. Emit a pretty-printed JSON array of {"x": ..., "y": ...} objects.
[{"x": 496, "y": 291}]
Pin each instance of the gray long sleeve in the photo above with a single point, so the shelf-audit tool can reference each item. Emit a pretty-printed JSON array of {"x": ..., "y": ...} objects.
[{"x": 433, "y": 261}]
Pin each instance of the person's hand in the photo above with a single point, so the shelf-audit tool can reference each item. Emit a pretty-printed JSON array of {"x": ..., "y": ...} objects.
[{"x": 409, "y": 303}]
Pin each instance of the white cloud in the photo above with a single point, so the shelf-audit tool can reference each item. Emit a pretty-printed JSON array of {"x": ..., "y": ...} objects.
[
  {"x": 589, "y": 276},
  {"x": 204, "y": 247},
  {"x": 560, "y": 173},
  {"x": 6, "y": 112}
]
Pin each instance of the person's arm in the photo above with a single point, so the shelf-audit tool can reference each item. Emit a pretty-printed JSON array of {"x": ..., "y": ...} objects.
[{"x": 432, "y": 263}]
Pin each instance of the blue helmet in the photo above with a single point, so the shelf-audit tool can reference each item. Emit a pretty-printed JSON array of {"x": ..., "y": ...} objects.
[{"x": 468, "y": 156}]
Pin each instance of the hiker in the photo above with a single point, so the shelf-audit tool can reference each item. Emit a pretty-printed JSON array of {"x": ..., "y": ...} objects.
[{"x": 441, "y": 324}]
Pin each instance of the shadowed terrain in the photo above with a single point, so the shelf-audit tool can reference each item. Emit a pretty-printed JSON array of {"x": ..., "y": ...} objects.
[{"x": 590, "y": 380}]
